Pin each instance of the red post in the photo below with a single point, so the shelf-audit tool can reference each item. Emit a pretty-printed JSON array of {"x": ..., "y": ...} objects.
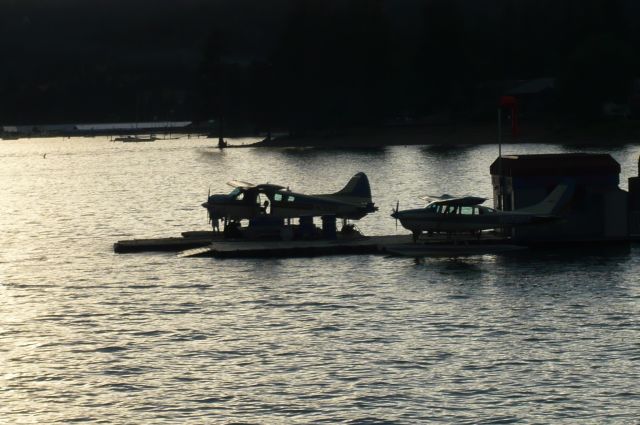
[
  {"x": 511, "y": 103},
  {"x": 514, "y": 121}
]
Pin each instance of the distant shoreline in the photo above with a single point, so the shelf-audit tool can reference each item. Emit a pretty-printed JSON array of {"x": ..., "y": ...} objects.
[{"x": 604, "y": 135}]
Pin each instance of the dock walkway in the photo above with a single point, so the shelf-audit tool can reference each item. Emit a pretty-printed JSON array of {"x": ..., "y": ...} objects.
[
  {"x": 189, "y": 240},
  {"x": 264, "y": 249},
  {"x": 208, "y": 244}
]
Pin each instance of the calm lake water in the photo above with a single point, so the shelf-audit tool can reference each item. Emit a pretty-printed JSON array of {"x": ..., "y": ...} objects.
[{"x": 90, "y": 336}]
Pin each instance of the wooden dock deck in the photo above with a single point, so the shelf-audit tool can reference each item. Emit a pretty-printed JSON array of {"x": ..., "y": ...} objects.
[
  {"x": 311, "y": 248},
  {"x": 208, "y": 244},
  {"x": 189, "y": 240}
]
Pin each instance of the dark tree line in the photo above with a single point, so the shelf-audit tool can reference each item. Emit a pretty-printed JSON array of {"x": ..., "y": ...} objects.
[{"x": 306, "y": 65}]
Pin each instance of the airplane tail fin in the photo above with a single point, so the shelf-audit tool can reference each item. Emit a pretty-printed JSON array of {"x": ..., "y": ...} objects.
[
  {"x": 552, "y": 204},
  {"x": 357, "y": 187}
]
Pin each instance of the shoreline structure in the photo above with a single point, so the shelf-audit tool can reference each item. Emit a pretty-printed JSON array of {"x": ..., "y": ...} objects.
[{"x": 604, "y": 134}]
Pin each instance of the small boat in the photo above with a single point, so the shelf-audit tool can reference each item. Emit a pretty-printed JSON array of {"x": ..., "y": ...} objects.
[{"x": 135, "y": 139}]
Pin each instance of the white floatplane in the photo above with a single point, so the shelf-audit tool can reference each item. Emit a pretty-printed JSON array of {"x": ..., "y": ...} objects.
[{"x": 450, "y": 214}]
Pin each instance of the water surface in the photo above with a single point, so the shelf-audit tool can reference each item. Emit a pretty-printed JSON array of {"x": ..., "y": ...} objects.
[{"x": 90, "y": 336}]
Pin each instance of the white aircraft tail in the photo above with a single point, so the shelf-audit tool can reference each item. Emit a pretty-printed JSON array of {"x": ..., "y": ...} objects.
[{"x": 552, "y": 203}]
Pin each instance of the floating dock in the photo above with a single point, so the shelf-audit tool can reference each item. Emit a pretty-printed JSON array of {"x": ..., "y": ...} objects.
[
  {"x": 310, "y": 248},
  {"x": 381, "y": 245},
  {"x": 189, "y": 240},
  {"x": 209, "y": 244},
  {"x": 453, "y": 250}
]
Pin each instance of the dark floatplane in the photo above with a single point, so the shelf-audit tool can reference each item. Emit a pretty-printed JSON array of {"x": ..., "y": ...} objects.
[
  {"x": 451, "y": 214},
  {"x": 271, "y": 203}
]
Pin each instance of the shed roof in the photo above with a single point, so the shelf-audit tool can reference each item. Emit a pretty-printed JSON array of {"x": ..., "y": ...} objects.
[{"x": 564, "y": 164}]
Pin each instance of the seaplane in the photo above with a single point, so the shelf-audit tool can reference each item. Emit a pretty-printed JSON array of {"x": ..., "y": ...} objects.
[
  {"x": 465, "y": 214},
  {"x": 250, "y": 201}
]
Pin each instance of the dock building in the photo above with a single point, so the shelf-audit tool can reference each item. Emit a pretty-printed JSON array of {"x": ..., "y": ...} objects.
[{"x": 597, "y": 210}]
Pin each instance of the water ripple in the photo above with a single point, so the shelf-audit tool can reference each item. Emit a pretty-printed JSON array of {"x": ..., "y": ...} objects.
[{"x": 90, "y": 336}]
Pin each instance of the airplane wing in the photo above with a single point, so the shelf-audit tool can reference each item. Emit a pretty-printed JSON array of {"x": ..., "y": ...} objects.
[
  {"x": 465, "y": 201},
  {"x": 240, "y": 183},
  {"x": 269, "y": 186}
]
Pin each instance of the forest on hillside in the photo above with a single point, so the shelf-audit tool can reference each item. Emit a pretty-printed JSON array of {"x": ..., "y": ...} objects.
[{"x": 307, "y": 65}]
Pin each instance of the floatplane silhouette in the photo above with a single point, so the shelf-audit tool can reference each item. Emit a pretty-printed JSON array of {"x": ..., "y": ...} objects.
[
  {"x": 464, "y": 214},
  {"x": 260, "y": 201}
]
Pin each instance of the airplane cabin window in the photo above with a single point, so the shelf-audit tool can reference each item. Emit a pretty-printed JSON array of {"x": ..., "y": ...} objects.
[
  {"x": 291, "y": 198},
  {"x": 277, "y": 197},
  {"x": 466, "y": 210}
]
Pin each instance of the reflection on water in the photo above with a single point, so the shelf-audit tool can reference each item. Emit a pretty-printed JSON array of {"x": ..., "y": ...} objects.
[
  {"x": 317, "y": 151},
  {"x": 445, "y": 151},
  {"x": 87, "y": 335}
]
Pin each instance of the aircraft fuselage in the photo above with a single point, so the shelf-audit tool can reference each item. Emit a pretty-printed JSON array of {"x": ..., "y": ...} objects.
[
  {"x": 462, "y": 219},
  {"x": 250, "y": 201}
]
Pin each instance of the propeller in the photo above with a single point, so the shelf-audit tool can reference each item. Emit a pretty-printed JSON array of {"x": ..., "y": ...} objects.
[
  {"x": 394, "y": 213},
  {"x": 207, "y": 207}
]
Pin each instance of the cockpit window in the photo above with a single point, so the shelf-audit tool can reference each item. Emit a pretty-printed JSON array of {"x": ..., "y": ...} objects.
[
  {"x": 450, "y": 209},
  {"x": 466, "y": 210},
  {"x": 237, "y": 194},
  {"x": 277, "y": 197}
]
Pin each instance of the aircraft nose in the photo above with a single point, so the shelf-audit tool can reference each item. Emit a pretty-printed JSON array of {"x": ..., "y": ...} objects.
[{"x": 206, "y": 204}]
